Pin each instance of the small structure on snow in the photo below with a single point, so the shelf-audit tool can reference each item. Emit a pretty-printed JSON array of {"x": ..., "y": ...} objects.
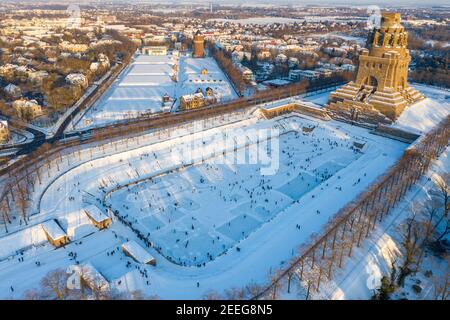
[
  {"x": 55, "y": 234},
  {"x": 98, "y": 218},
  {"x": 138, "y": 253},
  {"x": 93, "y": 279}
]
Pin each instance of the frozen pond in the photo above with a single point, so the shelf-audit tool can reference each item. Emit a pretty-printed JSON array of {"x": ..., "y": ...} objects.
[{"x": 194, "y": 215}]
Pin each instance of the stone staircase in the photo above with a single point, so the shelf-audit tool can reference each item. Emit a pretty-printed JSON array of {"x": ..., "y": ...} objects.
[{"x": 411, "y": 95}]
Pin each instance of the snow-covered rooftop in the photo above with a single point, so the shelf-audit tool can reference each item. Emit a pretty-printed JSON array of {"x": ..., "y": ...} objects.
[
  {"x": 189, "y": 97},
  {"x": 138, "y": 253},
  {"x": 77, "y": 224},
  {"x": 53, "y": 230},
  {"x": 95, "y": 213}
]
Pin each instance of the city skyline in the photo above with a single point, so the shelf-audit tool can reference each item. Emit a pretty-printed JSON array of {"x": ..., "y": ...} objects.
[{"x": 356, "y": 3}]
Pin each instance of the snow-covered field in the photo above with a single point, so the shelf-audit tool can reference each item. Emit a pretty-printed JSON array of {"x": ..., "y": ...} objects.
[
  {"x": 212, "y": 225},
  {"x": 199, "y": 213},
  {"x": 318, "y": 100},
  {"x": 141, "y": 87},
  {"x": 362, "y": 273},
  {"x": 423, "y": 115},
  {"x": 190, "y": 78}
]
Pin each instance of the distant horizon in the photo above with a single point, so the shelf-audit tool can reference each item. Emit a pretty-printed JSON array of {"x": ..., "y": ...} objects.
[{"x": 382, "y": 3}]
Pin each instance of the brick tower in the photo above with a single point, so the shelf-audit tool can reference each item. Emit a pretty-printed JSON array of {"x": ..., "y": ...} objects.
[
  {"x": 380, "y": 91},
  {"x": 199, "y": 45}
]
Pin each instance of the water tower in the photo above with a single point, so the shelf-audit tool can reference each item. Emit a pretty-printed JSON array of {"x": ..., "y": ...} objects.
[{"x": 199, "y": 45}]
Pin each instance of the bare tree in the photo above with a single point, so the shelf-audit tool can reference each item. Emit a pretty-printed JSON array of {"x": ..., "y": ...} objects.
[
  {"x": 411, "y": 243},
  {"x": 235, "y": 294},
  {"x": 33, "y": 294},
  {"x": 254, "y": 289},
  {"x": 437, "y": 207},
  {"x": 442, "y": 191},
  {"x": 45, "y": 150},
  {"x": 429, "y": 211},
  {"x": 22, "y": 202},
  {"x": 212, "y": 295},
  {"x": 5, "y": 213},
  {"x": 54, "y": 285}
]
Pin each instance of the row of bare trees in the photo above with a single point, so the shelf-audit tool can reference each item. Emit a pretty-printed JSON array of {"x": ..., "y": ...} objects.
[
  {"x": 18, "y": 185},
  {"x": 318, "y": 260},
  {"x": 423, "y": 237},
  {"x": 231, "y": 70}
]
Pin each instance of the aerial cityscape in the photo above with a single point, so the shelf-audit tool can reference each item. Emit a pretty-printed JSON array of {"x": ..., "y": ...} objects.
[{"x": 209, "y": 150}]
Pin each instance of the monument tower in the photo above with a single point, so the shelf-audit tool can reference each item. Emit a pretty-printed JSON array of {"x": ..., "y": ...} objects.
[
  {"x": 199, "y": 45},
  {"x": 380, "y": 91}
]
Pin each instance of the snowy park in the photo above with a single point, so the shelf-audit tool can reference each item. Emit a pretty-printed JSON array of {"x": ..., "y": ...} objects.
[
  {"x": 209, "y": 224},
  {"x": 198, "y": 213},
  {"x": 140, "y": 87}
]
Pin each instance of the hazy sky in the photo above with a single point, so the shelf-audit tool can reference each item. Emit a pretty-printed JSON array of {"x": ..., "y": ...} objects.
[
  {"x": 354, "y": 2},
  {"x": 317, "y": 2},
  {"x": 298, "y": 2}
]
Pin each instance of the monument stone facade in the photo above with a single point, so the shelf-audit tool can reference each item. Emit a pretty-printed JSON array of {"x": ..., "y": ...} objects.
[{"x": 380, "y": 91}]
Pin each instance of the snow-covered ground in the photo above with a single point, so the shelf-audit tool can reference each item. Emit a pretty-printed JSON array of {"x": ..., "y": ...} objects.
[
  {"x": 362, "y": 273},
  {"x": 423, "y": 115},
  {"x": 197, "y": 214},
  {"x": 318, "y": 100},
  {"x": 314, "y": 99},
  {"x": 213, "y": 225},
  {"x": 141, "y": 87},
  {"x": 220, "y": 225}
]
